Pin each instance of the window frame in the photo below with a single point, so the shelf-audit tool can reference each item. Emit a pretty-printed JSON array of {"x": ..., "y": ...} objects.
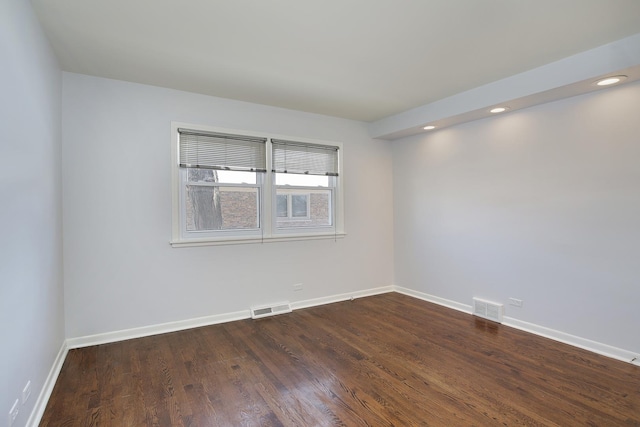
[
  {"x": 268, "y": 230},
  {"x": 206, "y": 234}
]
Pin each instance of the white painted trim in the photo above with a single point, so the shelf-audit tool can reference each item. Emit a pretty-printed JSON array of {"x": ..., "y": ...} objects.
[
  {"x": 180, "y": 325},
  {"x": 47, "y": 388},
  {"x": 340, "y": 297},
  {"x": 465, "y": 308},
  {"x": 572, "y": 340},
  {"x": 583, "y": 343},
  {"x": 247, "y": 240},
  {"x": 162, "y": 328}
]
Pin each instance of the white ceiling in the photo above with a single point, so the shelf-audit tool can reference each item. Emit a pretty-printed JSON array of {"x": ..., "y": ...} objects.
[{"x": 358, "y": 59}]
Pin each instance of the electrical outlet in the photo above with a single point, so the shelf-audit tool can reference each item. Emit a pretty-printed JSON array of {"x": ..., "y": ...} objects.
[
  {"x": 13, "y": 413},
  {"x": 297, "y": 287},
  {"x": 515, "y": 302},
  {"x": 26, "y": 392}
]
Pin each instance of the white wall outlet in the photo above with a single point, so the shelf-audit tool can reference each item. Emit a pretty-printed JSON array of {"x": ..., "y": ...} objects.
[
  {"x": 515, "y": 302},
  {"x": 26, "y": 392},
  {"x": 13, "y": 413},
  {"x": 297, "y": 287}
]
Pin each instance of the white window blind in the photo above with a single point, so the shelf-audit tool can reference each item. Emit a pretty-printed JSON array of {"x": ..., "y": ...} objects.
[
  {"x": 304, "y": 158},
  {"x": 209, "y": 150}
]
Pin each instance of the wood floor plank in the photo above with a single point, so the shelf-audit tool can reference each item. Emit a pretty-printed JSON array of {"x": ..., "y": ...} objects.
[{"x": 387, "y": 360}]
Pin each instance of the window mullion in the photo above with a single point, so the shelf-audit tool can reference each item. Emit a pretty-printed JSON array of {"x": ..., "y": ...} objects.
[{"x": 268, "y": 211}]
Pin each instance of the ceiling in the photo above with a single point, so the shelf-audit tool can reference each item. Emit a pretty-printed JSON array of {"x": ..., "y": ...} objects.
[{"x": 357, "y": 59}]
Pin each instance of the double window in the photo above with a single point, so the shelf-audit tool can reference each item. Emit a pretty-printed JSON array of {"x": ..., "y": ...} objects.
[{"x": 238, "y": 186}]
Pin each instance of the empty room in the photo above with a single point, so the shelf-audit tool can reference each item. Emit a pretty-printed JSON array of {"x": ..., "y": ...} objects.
[{"x": 295, "y": 213}]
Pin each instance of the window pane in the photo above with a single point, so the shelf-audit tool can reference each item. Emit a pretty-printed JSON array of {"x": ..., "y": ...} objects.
[
  {"x": 320, "y": 208},
  {"x": 221, "y": 208},
  {"x": 237, "y": 177},
  {"x": 202, "y": 175},
  {"x": 312, "y": 209},
  {"x": 302, "y": 180},
  {"x": 227, "y": 177},
  {"x": 281, "y": 205},
  {"x": 299, "y": 205}
]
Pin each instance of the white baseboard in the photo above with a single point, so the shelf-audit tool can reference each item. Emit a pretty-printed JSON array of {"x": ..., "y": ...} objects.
[
  {"x": 340, "y": 297},
  {"x": 583, "y": 343},
  {"x": 465, "y": 308},
  {"x": 180, "y": 325},
  {"x": 162, "y": 328},
  {"x": 109, "y": 337},
  {"x": 47, "y": 388}
]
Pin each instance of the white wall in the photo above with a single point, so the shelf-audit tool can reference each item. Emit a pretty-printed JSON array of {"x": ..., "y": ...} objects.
[
  {"x": 31, "y": 290},
  {"x": 120, "y": 271},
  {"x": 541, "y": 204}
]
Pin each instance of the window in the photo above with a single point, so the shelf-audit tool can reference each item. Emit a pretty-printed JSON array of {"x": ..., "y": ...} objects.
[
  {"x": 304, "y": 176},
  {"x": 292, "y": 206},
  {"x": 307, "y": 205},
  {"x": 221, "y": 200},
  {"x": 220, "y": 183},
  {"x": 227, "y": 189}
]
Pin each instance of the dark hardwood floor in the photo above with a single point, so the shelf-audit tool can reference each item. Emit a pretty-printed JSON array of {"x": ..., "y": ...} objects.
[{"x": 378, "y": 361}]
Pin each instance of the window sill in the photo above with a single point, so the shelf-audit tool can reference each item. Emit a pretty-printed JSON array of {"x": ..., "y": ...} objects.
[{"x": 253, "y": 240}]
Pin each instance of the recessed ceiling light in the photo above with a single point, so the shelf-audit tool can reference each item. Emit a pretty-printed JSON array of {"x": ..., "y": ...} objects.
[
  {"x": 430, "y": 127},
  {"x": 610, "y": 80},
  {"x": 498, "y": 110}
]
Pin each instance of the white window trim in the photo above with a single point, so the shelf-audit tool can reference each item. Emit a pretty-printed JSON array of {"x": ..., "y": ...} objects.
[{"x": 269, "y": 233}]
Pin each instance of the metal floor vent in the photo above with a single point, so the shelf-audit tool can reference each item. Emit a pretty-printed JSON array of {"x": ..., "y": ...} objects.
[
  {"x": 488, "y": 310},
  {"x": 270, "y": 310}
]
